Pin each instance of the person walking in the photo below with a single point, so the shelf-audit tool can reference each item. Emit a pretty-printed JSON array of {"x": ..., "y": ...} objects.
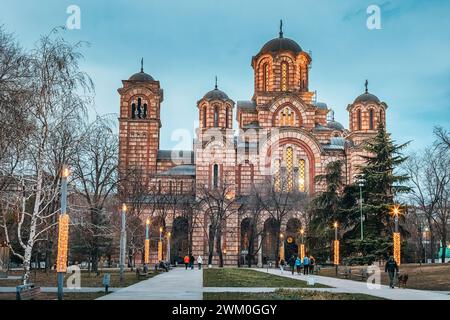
[
  {"x": 281, "y": 265},
  {"x": 191, "y": 262},
  {"x": 199, "y": 262},
  {"x": 186, "y": 261},
  {"x": 391, "y": 268},
  {"x": 298, "y": 265},
  {"x": 312, "y": 262},
  {"x": 292, "y": 264},
  {"x": 306, "y": 265}
]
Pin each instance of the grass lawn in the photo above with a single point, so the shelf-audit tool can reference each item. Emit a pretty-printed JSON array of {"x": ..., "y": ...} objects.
[
  {"x": 283, "y": 294},
  {"x": 42, "y": 279},
  {"x": 54, "y": 296},
  {"x": 425, "y": 277},
  {"x": 235, "y": 277}
]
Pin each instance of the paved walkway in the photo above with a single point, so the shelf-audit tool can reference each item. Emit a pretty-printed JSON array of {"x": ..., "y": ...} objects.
[
  {"x": 177, "y": 284},
  {"x": 350, "y": 286},
  {"x": 55, "y": 289}
]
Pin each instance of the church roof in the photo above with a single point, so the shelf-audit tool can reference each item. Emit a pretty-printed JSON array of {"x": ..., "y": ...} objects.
[
  {"x": 181, "y": 170},
  {"x": 336, "y": 143},
  {"x": 280, "y": 44},
  {"x": 248, "y": 105},
  {"x": 216, "y": 94},
  {"x": 180, "y": 155},
  {"x": 141, "y": 76},
  {"x": 335, "y": 125},
  {"x": 366, "y": 96}
]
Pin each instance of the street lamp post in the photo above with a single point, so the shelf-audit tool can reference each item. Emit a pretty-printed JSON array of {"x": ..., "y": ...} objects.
[
  {"x": 160, "y": 247},
  {"x": 361, "y": 184},
  {"x": 123, "y": 241},
  {"x": 396, "y": 236},
  {"x": 147, "y": 242},
  {"x": 63, "y": 234},
  {"x": 336, "y": 246},
  {"x": 282, "y": 247},
  {"x": 168, "y": 246},
  {"x": 302, "y": 244}
]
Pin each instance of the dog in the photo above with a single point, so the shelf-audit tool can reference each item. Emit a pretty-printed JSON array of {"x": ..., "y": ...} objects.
[{"x": 402, "y": 280}]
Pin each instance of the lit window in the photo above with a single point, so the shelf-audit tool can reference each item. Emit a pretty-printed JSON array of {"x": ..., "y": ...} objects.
[
  {"x": 277, "y": 175},
  {"x": 204, "y": 117},
  {"x": 289, "y": 169},
  {"x": 301, "y": 175},
  {"x": 284, "y": 76}
]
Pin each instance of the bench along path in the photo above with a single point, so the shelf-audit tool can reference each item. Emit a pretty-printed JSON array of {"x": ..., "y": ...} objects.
[
  {"x": 350, "y": 286},
  {"x": 177, "y": 284}
]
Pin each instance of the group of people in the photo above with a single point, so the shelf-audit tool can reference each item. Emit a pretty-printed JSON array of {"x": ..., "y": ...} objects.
[
  {"x": 189, "y": 262},
  {"x": 303, "y": 266}
]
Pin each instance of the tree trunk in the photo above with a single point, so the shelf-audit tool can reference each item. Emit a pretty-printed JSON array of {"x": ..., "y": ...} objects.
[
  {"x": 444, "y": 244},
  {"x": 211, "y": 239},
  {"x": 219, "y": 247}
]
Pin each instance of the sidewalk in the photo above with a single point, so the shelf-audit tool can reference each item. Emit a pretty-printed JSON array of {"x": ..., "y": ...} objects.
[
  {"x": 350, "y": 286},
  {"x": 177, "y": 284}
]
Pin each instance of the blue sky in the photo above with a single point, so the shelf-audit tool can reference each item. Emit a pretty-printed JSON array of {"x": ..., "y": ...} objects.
[{"x": 185, "y": 43}]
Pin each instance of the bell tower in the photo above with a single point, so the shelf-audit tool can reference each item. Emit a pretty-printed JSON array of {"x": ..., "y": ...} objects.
[{"x": 139, "y": 123}]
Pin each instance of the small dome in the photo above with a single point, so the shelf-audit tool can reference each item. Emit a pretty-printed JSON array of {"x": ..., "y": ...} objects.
[
  {"x": 281, "y": 44},
  {"x": 367, "y": 97},
  {"x": 141, "y": 76},
  {"x": 216, "y": 94},
  {"x": 335, "y": 125},
  {"x": 321, "y": 105}
]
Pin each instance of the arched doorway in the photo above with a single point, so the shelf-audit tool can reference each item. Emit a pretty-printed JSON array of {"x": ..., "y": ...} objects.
[
  {"x": 179, "y": 245},
  {"x": 247, "y": 256},
  {"x": 292, "y": 231},
  {"x": 270, "y": 241}
]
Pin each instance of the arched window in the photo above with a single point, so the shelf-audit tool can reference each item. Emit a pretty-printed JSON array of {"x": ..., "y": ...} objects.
[
  {"x": 227, "y": 110},
  {"x": 301, "y": 175},
  {"x": 133, "y": 110},
  {"x": 145, "y": 110},
  {"x": 170, "y": 186},
  {"x": 381, "y": 117},
  {"x": 289, "y": 169},
  {"x": 215, "y": 176},
  {"x": 139, "y": 108},
  {"x": 266, "y": 77},
  {"x": 358, "y": 119},
  {"x": 204, "y": 117},
  {"x": 216, "y": 117},
  {"x": 287, "y": 117},
  {"x": 371, "y": 119},
  {"x": 284, "y": 76}
]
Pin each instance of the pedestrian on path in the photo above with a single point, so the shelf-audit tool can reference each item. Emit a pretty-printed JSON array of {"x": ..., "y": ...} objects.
[
  {"x": 281, "y": 265},
  {"x": 191, "y": 262},
  {"x": 298, "y": 265},
  {"x": 391, "y": 268},
  {"x": 306, "y": 265},
  {"x": 199, "y": 262},
  {"x": 312, "y": 262},
  {"x": 292, "y": 264},
  {"x": 186, "y": 261}
]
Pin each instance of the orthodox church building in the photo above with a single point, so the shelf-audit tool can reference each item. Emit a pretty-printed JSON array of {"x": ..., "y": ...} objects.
[{"x": 283, "y": 135}]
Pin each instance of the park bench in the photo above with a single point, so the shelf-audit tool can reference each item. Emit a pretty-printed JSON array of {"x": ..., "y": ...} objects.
[
  {"x": 345, "y": 272},
  {"x": 362, "y": 274},
  {"x": 27, "y": 292},
  {"x": 141, "y": 273}
]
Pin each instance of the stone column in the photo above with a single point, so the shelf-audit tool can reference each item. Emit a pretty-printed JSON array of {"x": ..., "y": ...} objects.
[{"x": 260, "y": 256}]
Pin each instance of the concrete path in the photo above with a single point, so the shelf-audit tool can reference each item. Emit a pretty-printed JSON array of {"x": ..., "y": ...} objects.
[
  {"x": 55, "y": 289},
  {"x": 177, "y": 284},
  {"x": 350, "y": 286}
]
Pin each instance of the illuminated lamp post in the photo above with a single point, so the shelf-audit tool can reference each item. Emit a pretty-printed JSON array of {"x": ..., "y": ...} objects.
[
  {"x": 361, "y": 184},
  {"x": 396, "y": 236},
  {"x": 282, "y": 247},
  {"x": 168, "y": 246},
  {"x": 63, "y": 234},
  {"x": 302, "y": 245},
  {"x": 160, "y": 246},
  {"x": 336, "y": 246},
  {"x": 147, "y": 242},
  {"x": 123, "y": 242}
]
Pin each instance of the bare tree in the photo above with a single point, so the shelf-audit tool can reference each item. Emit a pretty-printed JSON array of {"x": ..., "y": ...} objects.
[
  {"x": 95, "y": 171},
  {"x": 219, "y": 204}
]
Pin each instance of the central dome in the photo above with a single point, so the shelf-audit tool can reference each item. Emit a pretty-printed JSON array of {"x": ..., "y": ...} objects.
[
  {"x": 281, "y": 44},
  {"x": 216, "y": 94}
]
